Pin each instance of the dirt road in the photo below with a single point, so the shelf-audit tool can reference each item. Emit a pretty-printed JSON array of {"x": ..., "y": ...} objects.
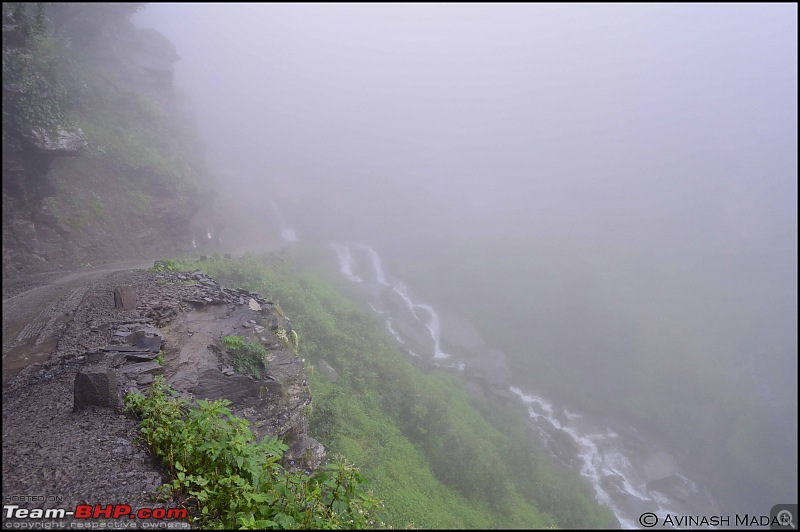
[{"x": 35, "y": 308}]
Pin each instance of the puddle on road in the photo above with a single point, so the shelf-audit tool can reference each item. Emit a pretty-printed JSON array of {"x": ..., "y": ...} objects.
[{"x": 18, "y": 358}]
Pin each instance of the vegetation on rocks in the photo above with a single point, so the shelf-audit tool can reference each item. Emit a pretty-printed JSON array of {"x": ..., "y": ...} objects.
[
  {"x": 229, "y": 480},
  {"x": 249, "y": 357},
  {"x": 434, "y": 454}
]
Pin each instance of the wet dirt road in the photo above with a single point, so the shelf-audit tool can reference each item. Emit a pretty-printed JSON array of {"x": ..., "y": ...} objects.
[{"x": 37, "y": 307}]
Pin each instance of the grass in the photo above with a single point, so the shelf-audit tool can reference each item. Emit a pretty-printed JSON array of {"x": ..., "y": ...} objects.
[
  {"x": 659, "y": 341},
  {"x": 427, "y": 448},
  {"x": 223, "y": 477}
]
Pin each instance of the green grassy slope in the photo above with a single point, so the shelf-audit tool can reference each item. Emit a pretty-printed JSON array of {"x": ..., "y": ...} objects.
[{"x": 425, "y": 445}]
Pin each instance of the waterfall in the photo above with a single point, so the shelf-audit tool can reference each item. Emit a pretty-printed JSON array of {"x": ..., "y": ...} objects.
[
  {"x": 346, "y": 262},
  {"x": 368, "y": 263},
  {"x": 598, "y": 453},
  {"x": 380, "y": 277}
]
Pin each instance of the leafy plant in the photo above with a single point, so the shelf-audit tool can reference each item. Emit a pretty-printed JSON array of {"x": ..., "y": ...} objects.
[
  {"x": 228, "y": 479},
  {"x": 440, "y": 458},
  {"x": 165, "y": 265},
  {"x": 249, "y": 357},
  {"x": 281, "y": 334},
  {"x": 233, "y": 343}
]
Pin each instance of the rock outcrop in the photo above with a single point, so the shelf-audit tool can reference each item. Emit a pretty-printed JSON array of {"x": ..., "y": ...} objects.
[
  {"x": 187, "y": 335},
  {"x": 63, "y": 141}
]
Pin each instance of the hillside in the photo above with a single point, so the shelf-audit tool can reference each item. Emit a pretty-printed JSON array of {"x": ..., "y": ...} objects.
[
  {"x": 102, "y": 162},
  {"x": 100, "y": 158}
]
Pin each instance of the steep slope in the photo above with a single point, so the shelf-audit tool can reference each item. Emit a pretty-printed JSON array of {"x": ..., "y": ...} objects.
[{"x": 100, "y": 157}]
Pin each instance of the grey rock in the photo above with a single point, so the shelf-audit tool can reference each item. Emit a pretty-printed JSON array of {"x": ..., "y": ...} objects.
[
  {"x": 675, "y": 487},
  {"x": 305, "y": 454},
  {"x": 96, "y": 387},
  {"x": 144, "y": 379},
  {"x": 239, "y": 389},
  {"x": 58, "y": 141},
  {"x": 134, "y": 370},
  {"x": 146, "y": 356},
  {"x": 658, "y": 465},
  {"x": 123, "y": 349},
  {"x": 196, "y": 302},
  {"x": 124, "y": 297},
  {"x": 148, "y": 338},
  {"x": 152, "y": 481}
]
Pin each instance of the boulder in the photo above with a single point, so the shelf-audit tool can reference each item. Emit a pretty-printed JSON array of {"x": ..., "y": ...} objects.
[
  {"x": 304, "y": 455},
  {"x": 124, "y": 297},
  {"x": 96, "y": 387}
]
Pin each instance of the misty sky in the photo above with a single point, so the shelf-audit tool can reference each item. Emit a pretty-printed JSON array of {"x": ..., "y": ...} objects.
[
  {"x": 665, "y": 130},
  {"x": 676, "y": 121}
]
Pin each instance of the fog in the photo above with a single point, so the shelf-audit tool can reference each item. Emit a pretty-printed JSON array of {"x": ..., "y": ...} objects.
[
  {"x": 579, "y": 118},
  {"x": 649, "y": 151}
]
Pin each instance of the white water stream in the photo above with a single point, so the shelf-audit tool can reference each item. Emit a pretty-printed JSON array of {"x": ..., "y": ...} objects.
[{"x": 630, "y": 474}]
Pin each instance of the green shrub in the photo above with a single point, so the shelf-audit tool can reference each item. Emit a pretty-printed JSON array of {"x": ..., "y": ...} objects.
[
  {"x": 438, "y": 457},
  {"x": 227, "y": 479},
  {"x": 249, "y": 357}
]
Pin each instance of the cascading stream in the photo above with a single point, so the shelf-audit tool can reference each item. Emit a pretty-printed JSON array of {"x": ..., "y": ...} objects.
[{"x": 625, "y": 478}]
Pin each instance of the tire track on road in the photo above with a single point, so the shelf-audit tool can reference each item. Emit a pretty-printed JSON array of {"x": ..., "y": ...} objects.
[{"x": 33, "y": 320}]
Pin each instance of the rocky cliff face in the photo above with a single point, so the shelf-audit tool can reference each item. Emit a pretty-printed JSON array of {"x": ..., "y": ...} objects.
[{"x": 99, "y": 160}]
